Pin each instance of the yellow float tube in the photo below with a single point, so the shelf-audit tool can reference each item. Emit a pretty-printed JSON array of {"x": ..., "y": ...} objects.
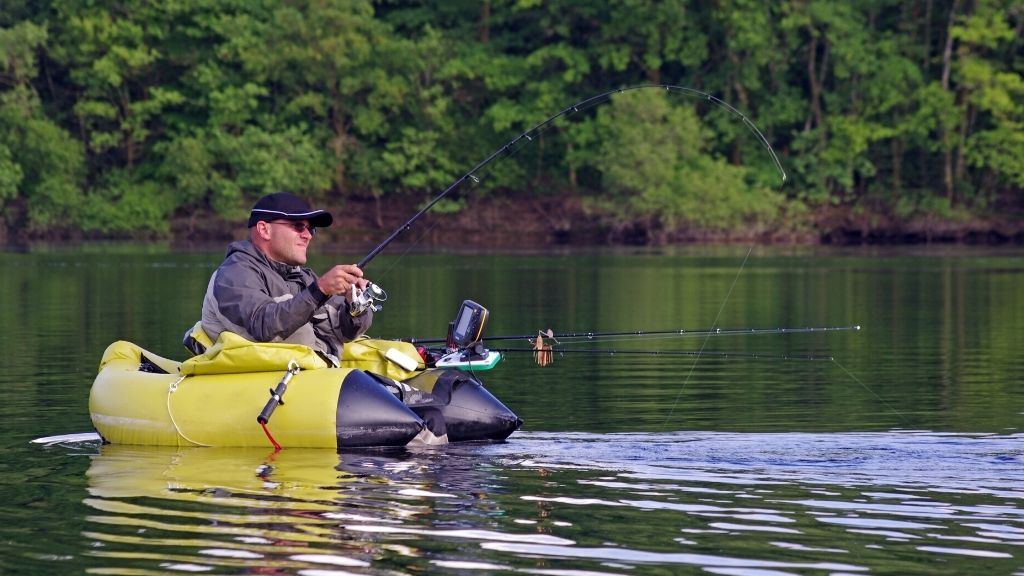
[{"x": 213, "y": 399}]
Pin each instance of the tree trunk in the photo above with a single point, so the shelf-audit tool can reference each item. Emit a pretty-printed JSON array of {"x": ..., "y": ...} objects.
[
  {"x": 947, "y": 138},
  {"x": 571, "y": 165},
  {"x": 485, "y": 21},
  {"x": 960, "y": 167},
  {"x": 126, "y": 130},
  {"x": 736, "y": 155},
  {"x": 812, "y": 79},
  {"x": 816, "y": 77},
  {"x": 927, "y": 37},
  {"x": 378, "y": 212},
  {"x": 947, "y": 53},
  {"x": 896, "y": 149},
  {"x": 338, "y": 145}
]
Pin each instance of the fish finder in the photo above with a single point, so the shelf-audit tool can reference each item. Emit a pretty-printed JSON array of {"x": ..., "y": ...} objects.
[
  {"x": 468, "y": 327},
  {"x": 464, "y": 343}
]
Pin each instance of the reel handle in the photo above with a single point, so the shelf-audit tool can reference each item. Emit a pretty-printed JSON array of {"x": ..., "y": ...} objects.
[{"x": 363, "y": 300}]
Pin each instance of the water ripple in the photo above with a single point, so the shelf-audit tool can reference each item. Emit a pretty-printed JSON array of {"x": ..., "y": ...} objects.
[{"x": 744, "y": 504}]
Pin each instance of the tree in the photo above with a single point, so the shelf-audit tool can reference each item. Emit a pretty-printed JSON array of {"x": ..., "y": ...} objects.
[
  {"x": 992, "y": 128},
  {"x": 41, "y": 166},
  {"x": 651, "y": 154}
]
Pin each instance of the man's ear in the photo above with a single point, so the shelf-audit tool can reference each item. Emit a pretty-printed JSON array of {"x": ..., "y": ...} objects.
[{"x": 262, "y": 230}]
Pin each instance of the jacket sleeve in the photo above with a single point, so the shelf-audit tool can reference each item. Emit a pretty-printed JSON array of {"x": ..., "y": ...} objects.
[
  {"x": 340, "y": 326},
  {"x": 243, "y": 296}
]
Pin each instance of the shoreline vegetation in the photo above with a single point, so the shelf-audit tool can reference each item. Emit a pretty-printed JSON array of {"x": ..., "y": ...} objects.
[
  {"x": 520, "y": 221},
  {"x": 895, "y": 122}
]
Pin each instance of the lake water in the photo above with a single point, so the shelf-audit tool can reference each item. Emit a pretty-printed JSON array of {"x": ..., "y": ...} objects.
[{"x": 895, "y": 449}]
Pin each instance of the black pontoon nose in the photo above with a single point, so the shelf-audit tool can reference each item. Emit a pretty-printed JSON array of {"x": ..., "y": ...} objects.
[
  {"x": 370, "y": 415},
  {"x": 474, "y": 414}
]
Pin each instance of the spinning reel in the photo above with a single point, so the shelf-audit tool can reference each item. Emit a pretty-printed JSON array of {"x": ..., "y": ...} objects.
[{"x": 366, "y": 299}]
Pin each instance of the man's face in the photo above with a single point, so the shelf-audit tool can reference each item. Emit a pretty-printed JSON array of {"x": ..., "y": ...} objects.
[{"x": 288, "y": 241}]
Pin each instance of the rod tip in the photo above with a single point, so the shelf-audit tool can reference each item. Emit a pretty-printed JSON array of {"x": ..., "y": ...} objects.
[{"x": 857, "y": 327}]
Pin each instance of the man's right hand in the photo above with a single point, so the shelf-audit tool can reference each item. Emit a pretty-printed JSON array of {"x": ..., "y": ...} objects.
[{"x": 340, "y": 279}]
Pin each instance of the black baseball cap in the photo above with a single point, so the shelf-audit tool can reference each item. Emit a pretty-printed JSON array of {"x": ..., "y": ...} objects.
[{"x": 287, "y": 206}]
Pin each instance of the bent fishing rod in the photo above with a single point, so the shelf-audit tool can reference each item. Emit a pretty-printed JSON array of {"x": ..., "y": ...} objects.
[{"x": 529, "y": 135}]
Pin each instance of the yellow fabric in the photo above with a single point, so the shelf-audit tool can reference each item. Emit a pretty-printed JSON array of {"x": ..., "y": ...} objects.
[
  {"x": 232, "y": 354},
  {"x": 132, "y": 407},
  {"x": 369, "y": 354},
  {"x": 199, "y": 335},
  {"x": 221, "y": 409},
  {"x": 129, "y": 406},
  {"x": 126, "y": 351}
]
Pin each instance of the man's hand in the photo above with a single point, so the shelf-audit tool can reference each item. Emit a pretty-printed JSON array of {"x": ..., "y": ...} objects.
[{"x": 340, "y": 279}]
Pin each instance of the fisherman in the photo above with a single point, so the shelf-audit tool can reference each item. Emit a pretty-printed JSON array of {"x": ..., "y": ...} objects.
[{"x": 264, "y": 292}]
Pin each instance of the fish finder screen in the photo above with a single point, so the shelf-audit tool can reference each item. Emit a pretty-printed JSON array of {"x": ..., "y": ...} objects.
[{"x": 469, "y": 324}]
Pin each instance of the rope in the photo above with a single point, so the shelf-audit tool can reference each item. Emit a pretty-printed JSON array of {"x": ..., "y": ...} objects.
[
  {"x": 171, "y": 390},
  {"x": 277, "y": 447}
]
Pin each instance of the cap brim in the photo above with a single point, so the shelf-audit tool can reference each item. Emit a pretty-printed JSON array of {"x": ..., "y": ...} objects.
[{"x": 317, "y": 218}]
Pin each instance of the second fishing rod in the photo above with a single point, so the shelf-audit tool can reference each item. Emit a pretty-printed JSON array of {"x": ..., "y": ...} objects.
[{"x": 582, "y": 337}]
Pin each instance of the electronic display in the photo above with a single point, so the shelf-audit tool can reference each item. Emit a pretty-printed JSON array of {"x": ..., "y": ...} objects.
[{"x": 469, "y": 324}]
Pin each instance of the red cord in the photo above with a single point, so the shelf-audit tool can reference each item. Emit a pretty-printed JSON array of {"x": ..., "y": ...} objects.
[{"x": 272, "y": 441}]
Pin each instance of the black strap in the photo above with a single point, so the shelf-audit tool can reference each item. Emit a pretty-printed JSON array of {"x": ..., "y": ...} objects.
[{"x": 147, "y": 365}]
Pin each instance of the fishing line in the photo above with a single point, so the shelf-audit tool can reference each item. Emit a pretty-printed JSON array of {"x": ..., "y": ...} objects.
[
  {"x": 686, "y": 353},
  {"x": 865, "y": 386},
  {"x": 404, "y": 253},
  {"x": 570, "y": 338},
  {"x": 523, "y": 139},
  {"x": 475, "y": 175},
  {"x": 706, "y": 338},
  {"x": 707, "y": 333}
]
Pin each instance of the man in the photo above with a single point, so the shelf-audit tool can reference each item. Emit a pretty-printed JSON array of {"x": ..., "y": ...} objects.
[{"x": 264, "y": 293}]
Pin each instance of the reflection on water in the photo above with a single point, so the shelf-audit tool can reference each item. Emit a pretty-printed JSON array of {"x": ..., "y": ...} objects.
[
  {"x": 752, "y": 504},
  {"x": 627, "y": 465}
]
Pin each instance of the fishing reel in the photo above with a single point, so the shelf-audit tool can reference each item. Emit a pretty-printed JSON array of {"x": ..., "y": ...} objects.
[{"x": 363, "y": 300}]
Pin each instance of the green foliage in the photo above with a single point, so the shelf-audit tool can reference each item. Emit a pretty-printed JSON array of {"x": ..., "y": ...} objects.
[
  {"x": 11, "y": 174},
  {"x": 651, "y": 156},
  {"x": 18, "y": 46},
  {"x": 121, "y": 204},
  {"x": 54, "y": 166},
  {"x": 450, "y": 206},
  {"x": 40, "y": 163},
  {"x": 929, "y": 206},
  {"x": 196, "y": 105},
  {"x": 110, "y": 57},
  {"x": 995, "y": 89},
  {"x": 229, "y": 172}
]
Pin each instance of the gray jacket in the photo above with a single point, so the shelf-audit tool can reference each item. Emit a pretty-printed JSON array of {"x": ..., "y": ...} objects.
[{"x": 266, "y": 301}]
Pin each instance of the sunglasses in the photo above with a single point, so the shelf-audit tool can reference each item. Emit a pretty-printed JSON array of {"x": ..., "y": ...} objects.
[{"x": 299, "y": 227}]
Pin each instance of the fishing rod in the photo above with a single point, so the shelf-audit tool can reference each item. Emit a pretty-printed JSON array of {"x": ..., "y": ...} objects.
[
  {"x": 464, "y": 348},
  {"x": 591, "y": 336},
  {"x": 688, "y": 353},
  {"x": 529, "y": 135}
]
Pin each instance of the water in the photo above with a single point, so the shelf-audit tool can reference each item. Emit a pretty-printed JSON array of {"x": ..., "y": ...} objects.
[{"x": 904, "y": 454}]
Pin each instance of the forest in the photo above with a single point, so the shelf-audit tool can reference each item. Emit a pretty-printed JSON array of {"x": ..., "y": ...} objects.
[{"x": 889, "y": 117}]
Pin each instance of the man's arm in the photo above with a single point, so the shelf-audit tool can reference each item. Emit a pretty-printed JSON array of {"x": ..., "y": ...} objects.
[
  {"x": 243, "y": 299},
  {"x": 340, "y": 326}
]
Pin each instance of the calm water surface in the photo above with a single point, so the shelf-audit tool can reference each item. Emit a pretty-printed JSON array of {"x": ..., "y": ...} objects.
[{"x": 899, "y": 449}]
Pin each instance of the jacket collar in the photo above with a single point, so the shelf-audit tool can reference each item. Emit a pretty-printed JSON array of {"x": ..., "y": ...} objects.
[{"x": 246, "y": 247}]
